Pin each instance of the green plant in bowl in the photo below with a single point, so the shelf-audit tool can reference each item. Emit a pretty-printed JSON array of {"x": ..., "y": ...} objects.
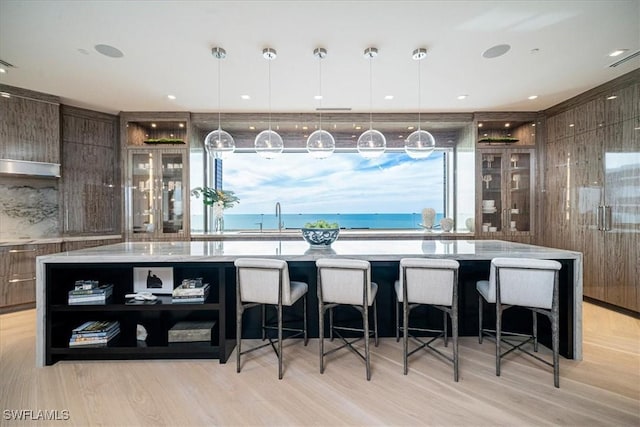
[{"x": 321, "y": 223}]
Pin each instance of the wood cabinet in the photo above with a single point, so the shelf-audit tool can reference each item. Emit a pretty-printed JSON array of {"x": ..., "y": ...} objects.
[
  {"x": 590, "y": 198},
  {"x": 29, "y": 126},
  {"x": 156, "y": 186},
  {"x": 18, "y": 280},
  {"x": 89, "y": 191}
]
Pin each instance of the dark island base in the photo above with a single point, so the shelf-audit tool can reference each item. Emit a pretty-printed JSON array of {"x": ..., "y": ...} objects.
[{"x": 220, "y": 306}]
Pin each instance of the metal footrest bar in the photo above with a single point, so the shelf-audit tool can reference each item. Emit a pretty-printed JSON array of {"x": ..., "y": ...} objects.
[
  {"x": 517, "y": 346},
  {"x": 430, "y": 347},
  {"x": 348, "y": 344}
]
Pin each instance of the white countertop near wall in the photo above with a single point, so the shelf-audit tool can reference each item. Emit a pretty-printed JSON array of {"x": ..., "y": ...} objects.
[
  {"x": 60, "y": 239},
  {"x": 298, "y": 250}
]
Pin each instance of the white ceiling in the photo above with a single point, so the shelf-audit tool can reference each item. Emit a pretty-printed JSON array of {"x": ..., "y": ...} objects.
[{"x": 558, "y": 49}]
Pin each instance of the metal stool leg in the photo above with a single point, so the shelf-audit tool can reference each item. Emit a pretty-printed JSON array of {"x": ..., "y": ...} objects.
[
  {"x": 479, "y": 318},
  {"x": 535, "y": 331},
  {"x": 454, "y": 327},
  {"x": 405, "y": 336},
  {"x": 375, "y": 323},
  {"x": 321, "y": 334},
  {"x": 498, "y": 336},
  {"x": 238, "y": 337},
  {"x": 444, "y": 327},
  {"x": 331, "y": 324},
  {"x": 397, "y": 306},
  {"x": 304, "y": 319},
  {"x": 263, "y": 320},
  {"x": 279, "y": 341},
  {"x": 556, "y": 346},
  {"x": 365, "y": 321}
]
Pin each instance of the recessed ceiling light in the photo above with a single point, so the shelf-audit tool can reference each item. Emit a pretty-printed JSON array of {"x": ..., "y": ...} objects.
[
  {"x": 533, "y": 97},
  {"x": 252, "y": 127},
  {"x": 110, "y": 51},
  {"x": 3, "y": 70},
  {"x": 317, "y": 97},
  {"x": 5, "y": 94},
  {"x": 496, "y": 51},
  {"x": 618, "y": 52},
  {"x": 409, "y": 127},
  {"x": 388, "y": 97},
  {"x": 611, "y": 97},
  {"x": 171, "y": 97},
  {"x": 181, "y": 125},
  {"x": 462, "y": 97},
  {"x": 304, "y": 128},
  {"x": 358, "y": 127},
  {"x": 245, "y": 97},
  {"x": 571, "y": 125},
  {"x": 507, "y": 125},
  {"x": 153, "y": 125},
  {"x": 479, "y": 125}
]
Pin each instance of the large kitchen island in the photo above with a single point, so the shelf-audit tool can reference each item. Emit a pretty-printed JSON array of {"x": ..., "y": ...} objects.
[{"x": 213, "y": 261}]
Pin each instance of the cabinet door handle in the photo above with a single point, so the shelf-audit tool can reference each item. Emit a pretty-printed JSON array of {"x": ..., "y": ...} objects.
[
  {"x": 599, "y": 218},
  {"x": 606, "y": 218},
  {"x": 29, "y": 279},
  {"x": 21, "y": 251}
]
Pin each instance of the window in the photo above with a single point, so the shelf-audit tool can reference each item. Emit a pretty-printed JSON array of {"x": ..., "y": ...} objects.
[{"x": 385, "y": 193}]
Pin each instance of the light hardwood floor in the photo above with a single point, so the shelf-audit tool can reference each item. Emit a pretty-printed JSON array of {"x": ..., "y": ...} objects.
[{"x": 603, "y": 389}]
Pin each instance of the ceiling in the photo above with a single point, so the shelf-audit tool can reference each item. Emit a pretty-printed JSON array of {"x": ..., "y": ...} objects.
[{"x": 558, "y": 49}]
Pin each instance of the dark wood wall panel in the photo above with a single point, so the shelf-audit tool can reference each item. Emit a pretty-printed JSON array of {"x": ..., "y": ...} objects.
[
  {"x": 90, "y": 192},
  {"x": 29, "y": 126}
]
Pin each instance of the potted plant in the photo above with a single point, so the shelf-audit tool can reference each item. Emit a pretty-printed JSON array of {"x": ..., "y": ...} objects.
[
  {"x": 320, "y": 234},
  {"x": 219, "y": 200}
]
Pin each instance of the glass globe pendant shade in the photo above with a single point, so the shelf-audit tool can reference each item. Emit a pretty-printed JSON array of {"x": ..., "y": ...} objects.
[
  {"x": 420, "y": 144},
  {"x": 321, "y": 144},
  {"x": 219, "y": 144},
  {"x": 269, "y": 144},
  {"x": 371, "y": 144}
]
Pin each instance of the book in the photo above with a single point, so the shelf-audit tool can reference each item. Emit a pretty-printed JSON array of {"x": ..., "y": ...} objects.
[
  {"x": 88, "y": 300},
  {"x": 96, "y": 326},
  {"x": 190, "y": 290},
  {"x": 100, "y": 290},
  {"x": 187, "y": 299}
]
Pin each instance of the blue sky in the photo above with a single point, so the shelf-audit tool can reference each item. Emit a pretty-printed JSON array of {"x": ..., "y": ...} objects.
[{"x": 342, "y": 183}]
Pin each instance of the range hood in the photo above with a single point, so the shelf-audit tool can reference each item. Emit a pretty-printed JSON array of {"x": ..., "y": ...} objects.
[{"x": 26, "y": 168}]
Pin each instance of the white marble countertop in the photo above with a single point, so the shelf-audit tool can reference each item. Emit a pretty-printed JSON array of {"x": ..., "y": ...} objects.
[
  {"x": 369, "y": 234},
  {"x": 59, "y": 239},
  {"x": 298, "y": 250}
]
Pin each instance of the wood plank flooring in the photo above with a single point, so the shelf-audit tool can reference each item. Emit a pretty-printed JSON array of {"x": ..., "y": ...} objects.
[{"x": 603, "y": 389}]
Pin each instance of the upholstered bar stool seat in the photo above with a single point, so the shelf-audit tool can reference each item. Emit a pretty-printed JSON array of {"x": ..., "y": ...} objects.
[
  {"x": 261, "y": 282},
  {"x": 528, "y": 283},
  {"x": 432, "y": 282},
  {"x": 346, "y": 282}
]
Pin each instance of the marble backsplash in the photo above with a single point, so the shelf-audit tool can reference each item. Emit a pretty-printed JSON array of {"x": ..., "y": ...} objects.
[{"x": 28, "y": 208}]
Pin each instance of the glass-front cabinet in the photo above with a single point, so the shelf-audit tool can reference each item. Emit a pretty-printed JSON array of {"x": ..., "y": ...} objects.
[
  {"x": 505, "y": 205},
  {"x": 156, "y": 193},
  {"x": 156, "y": 177}
]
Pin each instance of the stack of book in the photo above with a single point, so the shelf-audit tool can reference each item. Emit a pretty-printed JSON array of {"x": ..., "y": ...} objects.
[
  {"x": 89, "y": 292},
  {"x": 190, "y": 291},
  {"x": 95, "y": 333}
]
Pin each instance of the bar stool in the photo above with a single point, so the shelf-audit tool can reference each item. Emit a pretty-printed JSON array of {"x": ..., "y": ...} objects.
[
  {"x": 432, "y": 282},
  {"x": 261, "y": 282},
  {"x": 528, "y": 283},
  {"x": 346, "y": 282}
]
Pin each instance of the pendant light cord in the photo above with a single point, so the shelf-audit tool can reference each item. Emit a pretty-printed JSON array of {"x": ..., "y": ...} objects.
[
  {"x": 370, "y": 92},
  {"x": 320, "y": 88},
  {"x": 270, "y": 97},
  {"x": 419, "y": 91},
  {"x": 219, "y": 98}
]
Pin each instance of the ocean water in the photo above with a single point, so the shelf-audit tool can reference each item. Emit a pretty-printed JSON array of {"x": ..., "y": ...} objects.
[{"x": 345, "y": 221}]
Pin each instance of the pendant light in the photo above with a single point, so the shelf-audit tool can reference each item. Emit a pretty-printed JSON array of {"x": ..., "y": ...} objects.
[
  {"x": 420, "y": 144},
  {"x": 268, "y": 143},
  {"x": 371, "y": 143},
  {"x": 320, "y": 143},
  {"x": 218, "y": 143}
]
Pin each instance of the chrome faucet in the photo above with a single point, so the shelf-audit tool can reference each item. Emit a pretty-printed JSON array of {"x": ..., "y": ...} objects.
[{"x": 279, "y": 216}]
